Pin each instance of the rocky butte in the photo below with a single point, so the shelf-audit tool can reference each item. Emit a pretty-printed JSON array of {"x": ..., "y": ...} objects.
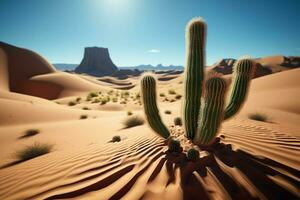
[{"x": 96, "y": 62}]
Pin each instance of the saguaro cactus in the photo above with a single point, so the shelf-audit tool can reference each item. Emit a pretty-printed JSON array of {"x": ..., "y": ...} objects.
[
  {"x": 201, "y": 122},
  {"x": 148, "y": 90},
  {"x": 194, "y": 74}
]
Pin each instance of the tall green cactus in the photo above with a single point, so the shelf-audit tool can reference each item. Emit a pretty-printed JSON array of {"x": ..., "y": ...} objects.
[
  {"x": 201, "y": 122},
  {"x": 243, "y": 71},
  {"x": 148, "y": 90},
  {"x": 194, "y": 74},
  {"x": 212, "y": 111}
]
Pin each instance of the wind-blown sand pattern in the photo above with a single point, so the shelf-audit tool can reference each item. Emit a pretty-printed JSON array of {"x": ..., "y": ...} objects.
[{"x": 251, "y": 161}]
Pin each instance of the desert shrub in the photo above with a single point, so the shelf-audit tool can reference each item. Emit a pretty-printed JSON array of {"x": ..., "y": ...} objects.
[
  {"x": 71, "y": 103},
  {"x": 32, "y": 151},
  {"x": 172, "y": 100},
  {"x": 258, "y": 117},
  {"x": 137, "y": 96},
  {"x": 86, "y": 108},
  {"x": 129, "y": 113},
  {"x": 110, "y": 92},
  {"x": 96, "y": 101},
  {"x": 177, "y": 121},
  {"x": 178, "y": 96},
  {"x": 116, "y": 138},
  {"x": 114, "y": 99},
  {"x": 162, "y": 95},
  {"x": 133, "y": 120},
  {"x": 83, "y": 117},
  {"x": 103, "y": 102},
  {"x": 168, "y": 112},
  {"x": 30, "y": 132},
  {"x": 171, "y": 91},
  {"x": 93, "y": 94},
  {"x": 88, "y": 98},
  {"x": 78, "y": 99}
]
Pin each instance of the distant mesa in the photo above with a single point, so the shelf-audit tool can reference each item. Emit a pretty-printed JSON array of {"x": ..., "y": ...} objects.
[{"x": 96, "y": 62}]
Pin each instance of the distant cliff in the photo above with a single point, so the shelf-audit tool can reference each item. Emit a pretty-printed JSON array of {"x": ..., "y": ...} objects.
[{"x": 96, "y": 62}]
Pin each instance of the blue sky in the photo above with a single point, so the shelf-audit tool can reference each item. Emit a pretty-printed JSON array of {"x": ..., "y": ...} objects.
[{"x": 150, "y": 31}]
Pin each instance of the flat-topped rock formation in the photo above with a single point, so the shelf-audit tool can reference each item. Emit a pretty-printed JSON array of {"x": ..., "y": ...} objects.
[{"x": 96, "y": 62}]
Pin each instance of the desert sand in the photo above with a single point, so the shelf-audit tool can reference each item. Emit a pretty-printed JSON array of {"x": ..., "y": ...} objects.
[{"x": 253, "y": 160}]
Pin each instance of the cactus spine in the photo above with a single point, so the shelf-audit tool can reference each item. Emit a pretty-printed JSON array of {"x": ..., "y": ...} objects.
[
  {"x": 148, "y": 90},
  {"x": 194, "y": 74},
  {"x": 243, "y": 72},
  {"x": 212, "y": 110}
]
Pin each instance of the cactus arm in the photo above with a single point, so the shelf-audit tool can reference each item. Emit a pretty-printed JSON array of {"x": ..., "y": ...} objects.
[
  {"x": 194, "y": 74},
  {"x": 148, "y": 90},
  {"x": 242, "y": 74},
  {"x": 212, "y": 111}
]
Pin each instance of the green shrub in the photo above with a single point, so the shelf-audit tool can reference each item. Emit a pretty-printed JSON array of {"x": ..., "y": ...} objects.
[
  {"x": 83, "y": 117},
  {"x": 178, "y": 96},
  {"x": 30, "y": 132},
  {"x": 71, "y": 103},
  {"x": 258, "y": 117},
  {"x": 133, "y": 120},
  {"x": 171, "y": 91},
  {"x": 168, "y": 112},
  {"x": 32, "y": 151},
  {"x": 78, "y": 99},
  {"x": 93, "y": 94},
  {"x": 162, "y": 95},
  {"x": 116, "y": 138},
  {"x": 177, "y": 121}
]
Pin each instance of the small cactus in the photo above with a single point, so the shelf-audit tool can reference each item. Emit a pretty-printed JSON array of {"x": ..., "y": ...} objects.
[
  {"x": 148, "y": 91},
  {"x": 192, "y": 154},
  {"x": 174, "y": 146}
]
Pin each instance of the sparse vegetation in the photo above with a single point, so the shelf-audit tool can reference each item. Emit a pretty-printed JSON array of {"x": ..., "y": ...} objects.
[
  {"x": 96, "y": 101},
  {"x": 103, "y": 102},
  {"x": 30, "y": 132},
  {"x": 83, "y": 117},
  {"x": 171, "y": 91},
  {"x": 32, "y": 151},
  {"x": 129, "y": 113},
  {"x": 93, "y": 94},
  {"x": 78, "y": 99},
  {"x": 114, "y": 99},
  {"x": 162, "y": 95},
  {"x": 86, "y": 108},
  {"x": 168, "y": 112},
  {"x": 71, "y": 103},
  {"x": 133, "y": 120},
  {"x": 116, "y": 138},
  {"x": 258, "y": 117},
  {"x": 178, "y": 96},
  {"x": 177, "y": 121}
]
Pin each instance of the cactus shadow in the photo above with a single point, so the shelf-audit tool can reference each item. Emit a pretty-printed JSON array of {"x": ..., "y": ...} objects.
[{"x": 192, "y": 174}]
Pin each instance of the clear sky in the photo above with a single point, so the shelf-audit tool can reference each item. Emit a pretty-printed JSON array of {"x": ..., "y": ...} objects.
[{"x": 150, "y": 31}]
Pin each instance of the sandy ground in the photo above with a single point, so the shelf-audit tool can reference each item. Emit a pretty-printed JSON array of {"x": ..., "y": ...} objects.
[{"x": 253, "y": 160}]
